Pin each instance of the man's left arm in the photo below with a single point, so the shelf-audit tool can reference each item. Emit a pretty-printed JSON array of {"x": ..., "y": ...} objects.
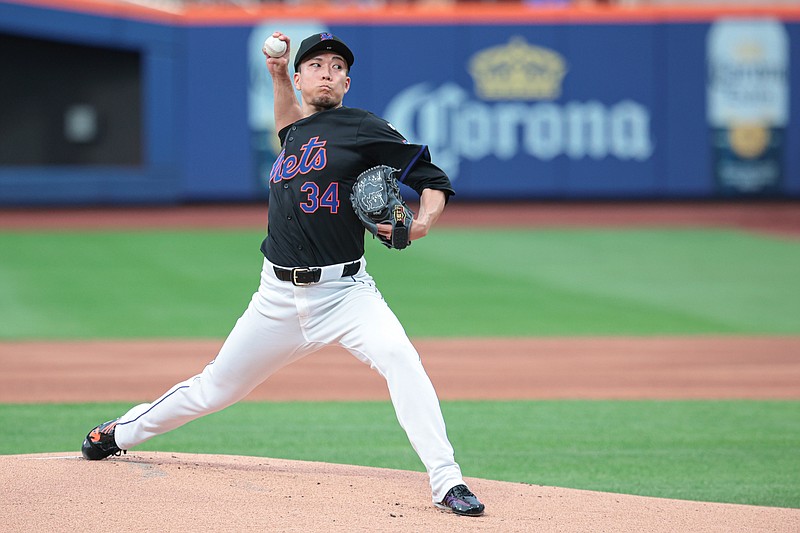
[{"x": 431, "y": 206}]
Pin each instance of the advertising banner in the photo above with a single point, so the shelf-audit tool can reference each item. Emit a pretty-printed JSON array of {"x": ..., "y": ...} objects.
[{"x": 748, "y": 104}]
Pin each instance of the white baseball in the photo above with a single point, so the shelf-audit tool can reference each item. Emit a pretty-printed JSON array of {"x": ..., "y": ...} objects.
[{"x": 274, "y": 47}]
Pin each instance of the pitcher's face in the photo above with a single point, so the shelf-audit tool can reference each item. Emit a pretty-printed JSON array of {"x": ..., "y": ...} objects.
[{"x": 323, "y": 80}]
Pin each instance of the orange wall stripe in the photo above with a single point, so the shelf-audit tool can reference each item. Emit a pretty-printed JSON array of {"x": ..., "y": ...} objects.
[{"x": 471, "y": 13}]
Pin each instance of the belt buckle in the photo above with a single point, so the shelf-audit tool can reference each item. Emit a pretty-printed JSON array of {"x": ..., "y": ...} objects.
[{"x": 301, "y": 270}]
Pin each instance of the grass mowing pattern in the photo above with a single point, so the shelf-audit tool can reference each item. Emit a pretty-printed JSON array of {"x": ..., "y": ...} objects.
[
  {"x": 125, "y": 284},
  {"x": 729, "y": 451},
  {"x": 130, "y": 284}
]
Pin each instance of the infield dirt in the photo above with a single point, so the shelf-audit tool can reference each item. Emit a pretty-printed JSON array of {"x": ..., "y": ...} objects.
[{"x": 180, "y": 492}]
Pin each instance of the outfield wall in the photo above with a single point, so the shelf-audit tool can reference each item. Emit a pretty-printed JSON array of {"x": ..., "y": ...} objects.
[{"x": 514, "y": 102}]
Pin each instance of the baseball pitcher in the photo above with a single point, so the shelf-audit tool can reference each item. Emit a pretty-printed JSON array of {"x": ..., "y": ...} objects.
[{"x": 334, "y": 178}]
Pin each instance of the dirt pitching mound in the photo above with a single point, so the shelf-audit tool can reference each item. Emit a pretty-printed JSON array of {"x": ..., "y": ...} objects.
[{"x": 150, "y": 491}]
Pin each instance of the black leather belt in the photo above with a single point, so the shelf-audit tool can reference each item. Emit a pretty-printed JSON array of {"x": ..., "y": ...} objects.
[{"x": 307, "y": 275}]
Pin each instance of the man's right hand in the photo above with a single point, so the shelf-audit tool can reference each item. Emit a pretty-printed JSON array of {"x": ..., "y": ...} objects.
[{"x": 279, "y": 66}]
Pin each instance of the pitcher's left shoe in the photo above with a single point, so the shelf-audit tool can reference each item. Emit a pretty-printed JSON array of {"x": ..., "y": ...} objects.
[
  {"x": 460, "y": 500},
  {"x": 100, "y": 443}
]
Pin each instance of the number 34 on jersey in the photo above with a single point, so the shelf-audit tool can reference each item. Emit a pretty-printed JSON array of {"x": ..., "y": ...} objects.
[{"x": 313, "y": 157}]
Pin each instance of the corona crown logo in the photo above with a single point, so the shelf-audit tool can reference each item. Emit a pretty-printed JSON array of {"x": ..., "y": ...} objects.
[{"x": 517, "y": 71}]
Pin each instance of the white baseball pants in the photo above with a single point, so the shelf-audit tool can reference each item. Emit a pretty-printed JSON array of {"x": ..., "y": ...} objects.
[{"x": 285, "y": 322}]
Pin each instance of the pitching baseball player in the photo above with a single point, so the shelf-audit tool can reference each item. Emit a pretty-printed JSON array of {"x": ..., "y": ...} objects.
[{"x": 314, "y": 288}]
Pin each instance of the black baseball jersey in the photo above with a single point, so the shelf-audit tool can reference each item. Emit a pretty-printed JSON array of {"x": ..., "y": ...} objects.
[{"x": 311, "y": 218}]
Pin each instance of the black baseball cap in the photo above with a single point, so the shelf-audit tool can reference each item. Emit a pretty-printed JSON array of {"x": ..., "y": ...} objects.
[{"x": 325, "y": 42}]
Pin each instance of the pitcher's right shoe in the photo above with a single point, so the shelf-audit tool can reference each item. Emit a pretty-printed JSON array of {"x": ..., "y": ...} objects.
[
  {"x": 461, "y": 501},
  {"x": 100, "y": 443}
]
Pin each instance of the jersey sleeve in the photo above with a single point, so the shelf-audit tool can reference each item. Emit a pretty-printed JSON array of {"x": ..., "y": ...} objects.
[
  {"x": 386, "y": 146},
  {"x": 283, "y": 133}
]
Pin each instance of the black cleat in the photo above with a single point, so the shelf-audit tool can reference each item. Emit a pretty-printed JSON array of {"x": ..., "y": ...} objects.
[
  {"x": 99, "y": 443},
  {"x": 461, "y": 501}
]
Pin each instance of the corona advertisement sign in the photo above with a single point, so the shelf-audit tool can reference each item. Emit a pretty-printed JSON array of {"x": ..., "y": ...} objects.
[{"x": 515, "y": 112}]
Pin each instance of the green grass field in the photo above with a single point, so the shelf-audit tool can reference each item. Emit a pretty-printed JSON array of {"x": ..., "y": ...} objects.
[
  {"x": 557, "y": 282},
  {"x": 64, "y": 285}
]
